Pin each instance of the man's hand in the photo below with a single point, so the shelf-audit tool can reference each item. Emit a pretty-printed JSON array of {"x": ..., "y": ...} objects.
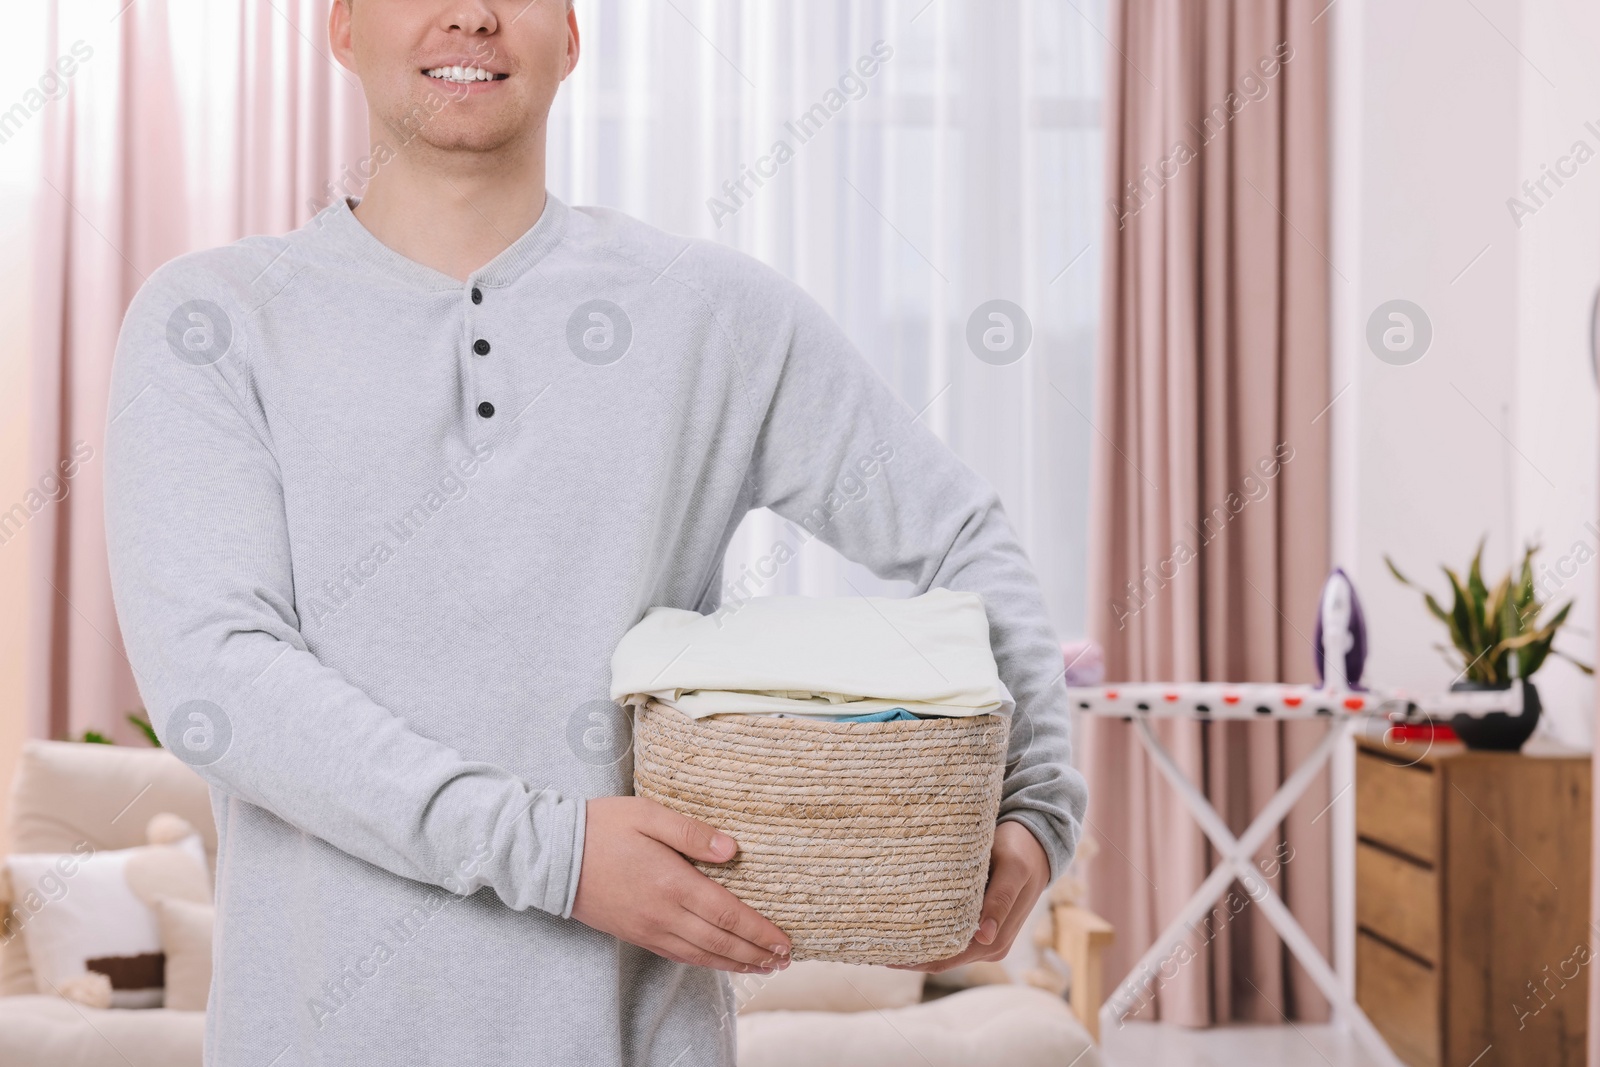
[
  {"x": 1018, "y": 872},
  {"x": 635, "y": 884}
]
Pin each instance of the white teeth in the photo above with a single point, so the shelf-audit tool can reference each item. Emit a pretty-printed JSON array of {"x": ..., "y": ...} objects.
[{"x": 460, "y": 74}]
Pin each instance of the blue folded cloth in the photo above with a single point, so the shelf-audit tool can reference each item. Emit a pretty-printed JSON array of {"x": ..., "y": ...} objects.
[{"x": 889, "y": 715}]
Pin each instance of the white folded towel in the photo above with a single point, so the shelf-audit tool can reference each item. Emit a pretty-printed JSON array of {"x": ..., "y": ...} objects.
[{"x": 818, "y": 655}]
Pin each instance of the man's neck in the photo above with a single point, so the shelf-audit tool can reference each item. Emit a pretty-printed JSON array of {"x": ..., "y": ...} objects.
[{"x": 455, "y": 216}]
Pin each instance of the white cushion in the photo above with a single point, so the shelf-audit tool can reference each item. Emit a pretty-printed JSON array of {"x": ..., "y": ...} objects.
[
  {"x": 1007, "y": 1026},
  {"x": 186, "y": 929},
  {"x": 50, "y": 1032},
  {"x": 76, "y": 907},
  {"x": 66, "y": 793},
  {"x": 817, "y": 985}
]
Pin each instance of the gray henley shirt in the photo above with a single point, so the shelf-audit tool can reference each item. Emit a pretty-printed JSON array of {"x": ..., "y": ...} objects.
[{"x": 374, "y": 533}]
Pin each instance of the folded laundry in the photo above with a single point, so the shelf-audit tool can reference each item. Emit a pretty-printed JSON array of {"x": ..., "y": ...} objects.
[
  {"x": 841, "y": 657},
  {"x": 892, "y": 715}
]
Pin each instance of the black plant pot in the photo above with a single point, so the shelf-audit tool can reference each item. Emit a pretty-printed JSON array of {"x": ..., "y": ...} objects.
[{"x": 1497, "y": 731}]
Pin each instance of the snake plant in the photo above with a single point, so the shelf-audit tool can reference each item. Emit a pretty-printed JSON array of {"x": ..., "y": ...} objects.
[
  {"x": 1487, "y": 627},
  {"x": 95, "y": 737}
]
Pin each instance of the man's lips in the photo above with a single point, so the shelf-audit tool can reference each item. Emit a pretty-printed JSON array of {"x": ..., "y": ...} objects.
[
  {"x": 469, "y": 85},
  {"x": 464, "y": 74}
]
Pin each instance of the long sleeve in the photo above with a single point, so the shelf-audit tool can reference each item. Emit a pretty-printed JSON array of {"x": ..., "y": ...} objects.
[
  {"x": 840, "y": 455},
  {"x": 201, "y": 571}
]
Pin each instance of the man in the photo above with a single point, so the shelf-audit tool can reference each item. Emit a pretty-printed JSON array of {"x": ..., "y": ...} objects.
[{"x": 383, "y": 495}]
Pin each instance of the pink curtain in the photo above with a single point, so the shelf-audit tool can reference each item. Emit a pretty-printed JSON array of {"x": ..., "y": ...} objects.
[
  {"x": 1209, "y": 510},
  {"x": 146, "y": 159}
]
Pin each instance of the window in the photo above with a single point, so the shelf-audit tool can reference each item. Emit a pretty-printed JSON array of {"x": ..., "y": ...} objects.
[{"x": 966, "y": 168}]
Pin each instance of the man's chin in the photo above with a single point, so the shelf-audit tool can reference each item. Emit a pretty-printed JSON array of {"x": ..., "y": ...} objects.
[{"x": 474, "y": 138}]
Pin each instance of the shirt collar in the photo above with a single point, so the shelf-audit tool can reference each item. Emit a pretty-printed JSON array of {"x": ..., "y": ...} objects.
[{"x": 338, "y": 226}]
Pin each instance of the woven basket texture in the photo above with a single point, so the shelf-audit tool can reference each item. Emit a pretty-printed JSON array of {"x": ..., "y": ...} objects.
[{"x": 864, "y": 842}]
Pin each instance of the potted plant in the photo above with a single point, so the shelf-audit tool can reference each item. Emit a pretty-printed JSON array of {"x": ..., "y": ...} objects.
[
  {"x": 1496, "y": 637},
  {"x": 95, "y": 737}
]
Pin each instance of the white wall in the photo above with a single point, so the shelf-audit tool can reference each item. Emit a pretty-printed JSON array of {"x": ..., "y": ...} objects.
[
  {"x": 1559, "y": 268},
  {"x": 1443, "y": 109}
]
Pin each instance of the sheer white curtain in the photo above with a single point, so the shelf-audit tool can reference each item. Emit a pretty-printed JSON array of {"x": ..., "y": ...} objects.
[{"x": 965, "y": 169}]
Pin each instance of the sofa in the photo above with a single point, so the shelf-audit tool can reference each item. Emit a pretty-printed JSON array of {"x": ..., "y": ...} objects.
[
  {"x": 63, "y": 794},
  {"x": 67, "y": 793}
]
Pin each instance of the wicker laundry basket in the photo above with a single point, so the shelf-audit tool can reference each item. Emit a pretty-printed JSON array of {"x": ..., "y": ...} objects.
[{"x": 864, "y": 842}]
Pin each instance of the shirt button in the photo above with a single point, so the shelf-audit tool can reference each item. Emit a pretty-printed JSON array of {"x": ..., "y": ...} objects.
[
  {"x": 481, "y": 347},
  {"x": 477, "y": 295},
  {"x": 486, "y": 410}
]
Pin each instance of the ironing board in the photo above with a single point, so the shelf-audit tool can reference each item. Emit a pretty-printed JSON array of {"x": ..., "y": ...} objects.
[{"x": 1343, "y": 710}]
